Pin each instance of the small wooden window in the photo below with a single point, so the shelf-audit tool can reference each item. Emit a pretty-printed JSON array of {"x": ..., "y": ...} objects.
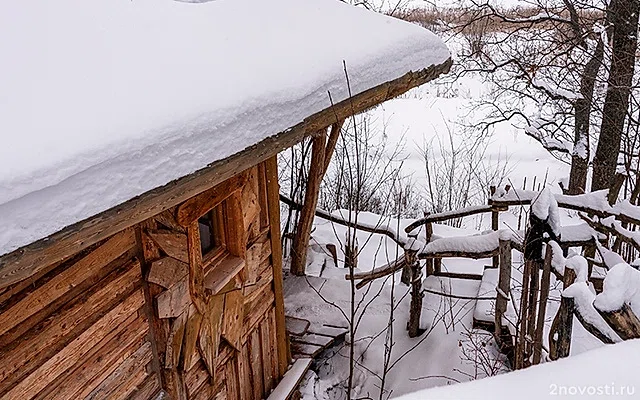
[{"x": 212, "y": 236}]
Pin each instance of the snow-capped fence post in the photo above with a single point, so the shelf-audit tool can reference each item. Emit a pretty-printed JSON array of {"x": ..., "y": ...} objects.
[
  {"x": 495, "y": 223},
  {"x": 431, "y": 262},
  {"x": 415, "y": 310},
  {"x": 495, "y": 219},
  {"x": 623, "y": 321},
  {"x": 543, "y": 226},
  {"x": 504, "y": 286}
]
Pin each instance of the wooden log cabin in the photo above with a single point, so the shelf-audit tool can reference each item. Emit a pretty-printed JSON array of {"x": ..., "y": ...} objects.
[{"x": 155, "y": 269}]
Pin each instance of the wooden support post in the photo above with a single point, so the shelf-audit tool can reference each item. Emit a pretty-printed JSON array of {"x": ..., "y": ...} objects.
[
  {"x": 273, "y": 201},
  {"x": 542, "y": 308},
  {"x": 415, "y": 310},
  {"x": 623, "y": 321},
  {"x": 504, "y": 286},
  {"x": 495, "y": 225},
  {"x": 305, "y": 223},
  {"x": 434, "y": 266},
  {"x": 321, "y": 152},
  {"x": 533, "y": 246},
  {"x": 562, "y": 326},
  {"x": 523, "y": 318},
  {"x": 431, "y": 263},
  {"x": 534, "y": 291}
]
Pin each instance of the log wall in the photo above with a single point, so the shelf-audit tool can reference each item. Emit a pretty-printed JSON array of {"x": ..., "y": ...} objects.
[{"x": 141, "y": 312}]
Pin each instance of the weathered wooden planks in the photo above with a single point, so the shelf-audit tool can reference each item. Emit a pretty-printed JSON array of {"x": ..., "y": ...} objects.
[
  {"x": 174, "y": 343},
  {"x": 125, "y": 378},
  {"x": 26, "y": 354},
  {"x": 174, "y": 244},
  {"x": 64, "y": 281},
  {"x": 190, "y": 353},
  {"x": 251, "y": 204},
  {"x": 173, "y": 301},
  {"x": 167, "y": 271},
  {"x": 255, "y": 353},
  {"x": 233, "y": 318},
  {"x": 231, "y": 377},
  {"x": 273, "y": 200},
  {"x": 197, "y": 206},
  {"x": 209, "y": 339},
  {"x": 196, "y": 270},
  {"x": 81, "y": 380},
  {"x": 257, "y": 253},
  {"x": 222, "y": 273},
  {"x": 168, "y": 220},
  {"x": 267, "y": 355},
  {"x": 77, "y": 349},
  {"x": 244, "y": 373},
  {"x": 149, "y": 389},
  {"x": 236, "y": 234}
]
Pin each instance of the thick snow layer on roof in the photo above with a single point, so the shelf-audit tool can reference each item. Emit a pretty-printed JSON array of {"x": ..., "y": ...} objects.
[
  {"x": 104, "y": 100},
  {"x": 607, "y": 372}
]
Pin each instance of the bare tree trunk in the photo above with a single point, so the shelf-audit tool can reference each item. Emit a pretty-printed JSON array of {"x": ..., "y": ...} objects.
[
  {"x": 624, "y": 16},
  {"x": 580, "y": 156}
]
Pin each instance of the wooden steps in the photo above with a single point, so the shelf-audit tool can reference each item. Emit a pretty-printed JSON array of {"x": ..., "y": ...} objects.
[{"x": 308, "y": 340}]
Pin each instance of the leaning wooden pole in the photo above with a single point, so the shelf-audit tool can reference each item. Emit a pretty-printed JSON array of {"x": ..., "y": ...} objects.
[
  {"x": 321, "y": 152},
  {"x": 305, "y": 223},
  {"x": 562, "y": 326},
  {"x": 504, "y": 287},
  {"x": 542, "y": 308}
]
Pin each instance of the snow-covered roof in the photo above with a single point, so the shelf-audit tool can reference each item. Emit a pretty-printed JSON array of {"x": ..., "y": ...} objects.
[{"x": 103, "y": 100}]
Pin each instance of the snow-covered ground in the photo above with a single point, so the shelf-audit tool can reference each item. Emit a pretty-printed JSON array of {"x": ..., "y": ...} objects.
[
  {"x": 450, "y": 351},
  {"x": 595, "y": 374}
]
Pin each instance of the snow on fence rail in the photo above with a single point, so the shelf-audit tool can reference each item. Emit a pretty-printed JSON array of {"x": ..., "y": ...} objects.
[
  {"x": 609, "y": 316},
  {"x": 381, "y": 228},
  {"x": 447, "y": 215},
  {"x": 475, "y": 246},
  {"x": 596, "y": 203}
]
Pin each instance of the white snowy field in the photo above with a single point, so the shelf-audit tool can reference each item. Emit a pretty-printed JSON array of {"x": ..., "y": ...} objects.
[
  {"x": 450, "y": 352},
  {"x": 431, "y": 114},
  {"x": 595, "y": 374}
]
